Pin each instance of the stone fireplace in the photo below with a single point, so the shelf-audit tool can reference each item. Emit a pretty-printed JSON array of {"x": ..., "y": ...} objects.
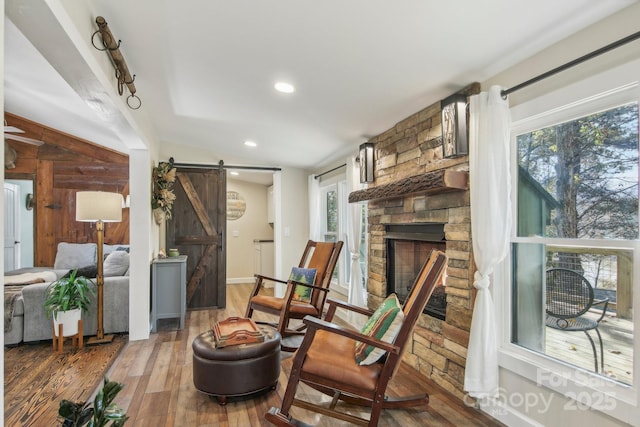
[{"x": 415, "y": 186}]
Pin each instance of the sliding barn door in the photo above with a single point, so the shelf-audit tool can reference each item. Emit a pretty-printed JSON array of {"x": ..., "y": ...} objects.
[{"x": 197, "y": 229}]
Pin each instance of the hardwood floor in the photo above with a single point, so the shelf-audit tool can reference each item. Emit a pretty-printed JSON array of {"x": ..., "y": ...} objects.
[
  {"x": 36, "y": 379},
  {"x": 159, "y": 385}
]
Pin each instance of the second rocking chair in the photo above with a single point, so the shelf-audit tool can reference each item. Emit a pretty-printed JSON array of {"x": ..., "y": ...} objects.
[{"x": 320, "y": 256}]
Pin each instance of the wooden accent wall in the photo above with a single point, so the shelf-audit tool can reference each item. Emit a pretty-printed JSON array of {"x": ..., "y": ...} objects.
[{"x": 59, "y": 168}]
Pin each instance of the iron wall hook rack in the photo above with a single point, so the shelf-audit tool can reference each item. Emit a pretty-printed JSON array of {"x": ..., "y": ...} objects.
[{"x": 123, "y": 76}]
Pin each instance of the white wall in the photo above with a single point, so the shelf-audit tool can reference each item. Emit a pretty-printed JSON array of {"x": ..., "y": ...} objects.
[
  {"x": 242, "y": 231},
  {"x": 611, "y": 29},
  {"x": 2, "y": 199},
  {"x": 292, "y": 231}
]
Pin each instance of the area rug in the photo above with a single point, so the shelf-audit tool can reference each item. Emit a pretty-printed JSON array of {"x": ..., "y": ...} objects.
[{"x": 36, "y": 378}]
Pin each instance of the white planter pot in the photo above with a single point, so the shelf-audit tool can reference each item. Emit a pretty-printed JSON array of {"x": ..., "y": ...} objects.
[{"x": 69, "y": 320}]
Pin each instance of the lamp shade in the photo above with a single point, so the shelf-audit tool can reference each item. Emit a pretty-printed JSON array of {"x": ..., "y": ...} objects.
[{"x": 94, "y": 206}]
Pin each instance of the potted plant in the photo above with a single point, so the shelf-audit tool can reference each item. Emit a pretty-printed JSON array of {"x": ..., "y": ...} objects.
[
  {"x": 67, "y": 298},
  {"x": 104, "y": 409}
]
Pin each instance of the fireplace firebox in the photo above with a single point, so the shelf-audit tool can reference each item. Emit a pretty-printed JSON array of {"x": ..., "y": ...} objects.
[{"x": 408, "y": 246}]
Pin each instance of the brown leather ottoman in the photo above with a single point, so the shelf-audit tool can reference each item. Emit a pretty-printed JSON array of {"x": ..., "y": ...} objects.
[{"x": 237, "y": 370}]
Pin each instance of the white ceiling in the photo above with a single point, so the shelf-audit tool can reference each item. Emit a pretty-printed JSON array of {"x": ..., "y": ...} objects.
[{"x": 205, "y": 69}]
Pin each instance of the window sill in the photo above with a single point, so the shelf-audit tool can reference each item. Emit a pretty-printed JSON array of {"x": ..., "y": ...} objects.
[{"x": 583, "y": 389}]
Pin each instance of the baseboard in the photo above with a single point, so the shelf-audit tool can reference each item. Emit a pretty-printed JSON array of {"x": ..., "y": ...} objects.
[{"x": 239, "y": 280}]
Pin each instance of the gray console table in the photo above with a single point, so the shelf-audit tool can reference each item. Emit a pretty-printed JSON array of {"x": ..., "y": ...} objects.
[{"x": 168, "y": 289}]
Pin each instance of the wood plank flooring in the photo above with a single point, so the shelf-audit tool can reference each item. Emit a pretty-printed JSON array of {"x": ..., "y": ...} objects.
[
  {"x": 159, "y": 385},
  {"x": 36, "y": 379}
]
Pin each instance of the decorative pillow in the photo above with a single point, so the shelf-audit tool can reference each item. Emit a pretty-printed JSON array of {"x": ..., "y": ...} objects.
[
  {"x": 303, "y": 275},
  {"x": 116, "y": 264},
  {"x": 73, "y": 255},
  {"x": 383, "y": 325},
  {"x": 107, "y": 249}
]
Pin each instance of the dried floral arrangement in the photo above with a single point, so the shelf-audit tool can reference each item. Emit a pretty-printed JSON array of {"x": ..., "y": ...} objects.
[{"x": 164, "y": 176}]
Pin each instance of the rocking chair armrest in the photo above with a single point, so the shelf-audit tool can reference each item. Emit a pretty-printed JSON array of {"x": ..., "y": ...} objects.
[
  {"x": 261, "y": 278},
  {"x": 315, "y": 323},
  {"x": 295, "y": 282},
  {"x": 350, "y": 307}
]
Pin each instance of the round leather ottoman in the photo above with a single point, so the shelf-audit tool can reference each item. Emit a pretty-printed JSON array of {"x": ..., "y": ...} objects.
[{"x": 236, "y": 370}]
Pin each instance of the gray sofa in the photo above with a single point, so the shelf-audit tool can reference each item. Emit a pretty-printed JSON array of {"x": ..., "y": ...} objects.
[{"x": 29, "y": 322}]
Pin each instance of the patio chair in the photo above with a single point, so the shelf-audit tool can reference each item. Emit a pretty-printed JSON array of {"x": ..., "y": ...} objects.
[
  {"x": 569, "y": 297},
  {"x": 328, "y": 359},
  {"x": 319, "y": 256}
]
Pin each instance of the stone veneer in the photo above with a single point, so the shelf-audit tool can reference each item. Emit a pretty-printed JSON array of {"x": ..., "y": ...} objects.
[{"x": 413, "y": 147}]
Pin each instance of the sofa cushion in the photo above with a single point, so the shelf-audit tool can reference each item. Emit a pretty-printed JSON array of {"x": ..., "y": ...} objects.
[
  {"x": 116, "y": 263},
  {"x": 75, "y": 255}
]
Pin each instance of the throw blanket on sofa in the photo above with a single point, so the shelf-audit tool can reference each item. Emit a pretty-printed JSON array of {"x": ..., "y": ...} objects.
[{"x": 13, "y": 288}]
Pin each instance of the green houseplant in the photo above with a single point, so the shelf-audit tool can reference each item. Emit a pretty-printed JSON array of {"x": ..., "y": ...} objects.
[
  {"x": 103, "y": 411},
  {"x": 69, "y": 294}
]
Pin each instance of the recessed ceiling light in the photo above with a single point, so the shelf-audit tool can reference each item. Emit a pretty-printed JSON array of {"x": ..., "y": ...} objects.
[
  {"x": 284, "y": 87},
  {"x": 250, "y": 144},
  {"x": 234, "y": 173}
]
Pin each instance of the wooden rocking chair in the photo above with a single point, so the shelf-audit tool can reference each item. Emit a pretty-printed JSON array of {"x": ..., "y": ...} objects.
[
  {"x": 326, "y": 359},
  {"x": 322, "y": 256}
]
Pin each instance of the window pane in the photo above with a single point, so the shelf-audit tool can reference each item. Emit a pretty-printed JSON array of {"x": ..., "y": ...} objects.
[
  {"x": 579, "y": 179},
  {"x": 332, "y": 211},
  {"x": 547, "y": 298}
]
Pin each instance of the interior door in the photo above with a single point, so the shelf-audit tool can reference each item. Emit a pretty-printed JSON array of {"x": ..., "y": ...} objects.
[
  {"x": 198, "y": 229},
  {"x": 11, "y": 226}
]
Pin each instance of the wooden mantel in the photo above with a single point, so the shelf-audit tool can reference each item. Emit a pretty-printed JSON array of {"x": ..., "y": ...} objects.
[{"x": 436, "y": 182}]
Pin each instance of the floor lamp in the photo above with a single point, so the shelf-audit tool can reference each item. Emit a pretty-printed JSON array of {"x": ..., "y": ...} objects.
[{"x": 99, "y": 207}]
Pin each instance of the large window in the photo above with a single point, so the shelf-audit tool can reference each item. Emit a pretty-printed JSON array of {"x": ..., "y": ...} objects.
[
  {"x": 574, "y": 260},
  {"x": 578, "y": 190}
]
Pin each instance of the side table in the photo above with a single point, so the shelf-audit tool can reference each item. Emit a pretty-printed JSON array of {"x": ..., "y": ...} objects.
[{"x": 168, "y": 289}]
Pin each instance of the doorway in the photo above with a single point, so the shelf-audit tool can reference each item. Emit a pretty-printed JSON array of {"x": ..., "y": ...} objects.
[{"x": 19, "y": 224}]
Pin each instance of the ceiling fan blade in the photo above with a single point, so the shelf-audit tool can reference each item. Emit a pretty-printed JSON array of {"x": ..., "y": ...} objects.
[
  {"x": 13, "y": 129},
  {"x": 23, "y": 139}
]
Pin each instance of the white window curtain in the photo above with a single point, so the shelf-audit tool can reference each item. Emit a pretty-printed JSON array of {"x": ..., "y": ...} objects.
[
  {"x": 315, "y": 227},
  {"x": 354, "y": 234},
  {"x": 490, "y": 182}
]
